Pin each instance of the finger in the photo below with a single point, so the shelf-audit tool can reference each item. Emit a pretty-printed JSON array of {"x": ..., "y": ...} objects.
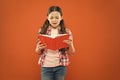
[
  {"x": 38, "y": 42},
  {"x": 70, "y": 39},
  {"x": 65, "y": 41},
  {"x": 42, "y": 44},
  {"x": 42, "y": 47}
]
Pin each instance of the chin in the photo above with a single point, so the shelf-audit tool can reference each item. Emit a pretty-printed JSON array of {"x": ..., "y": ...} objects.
[{"x": 54, "y": 26}]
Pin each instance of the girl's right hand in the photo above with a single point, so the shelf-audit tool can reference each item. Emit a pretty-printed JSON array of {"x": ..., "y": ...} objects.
[{"x": 40, "y": 46}]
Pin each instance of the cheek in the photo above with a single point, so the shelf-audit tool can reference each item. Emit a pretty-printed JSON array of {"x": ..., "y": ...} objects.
[
  {"x": 50, "y": 21},
  {"x": 59, "y": 21}
]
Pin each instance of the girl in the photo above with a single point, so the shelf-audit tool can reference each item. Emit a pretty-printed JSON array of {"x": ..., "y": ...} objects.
[{"x": 54, "y": 62}]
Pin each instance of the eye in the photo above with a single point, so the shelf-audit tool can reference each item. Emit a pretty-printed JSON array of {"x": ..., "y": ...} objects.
[
  {"x": 51, "y": 17},
  {"x": 57, "y": 17}
]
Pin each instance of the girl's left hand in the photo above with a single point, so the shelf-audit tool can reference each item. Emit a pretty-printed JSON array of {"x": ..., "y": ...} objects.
[{"x": 69, "y": 41}]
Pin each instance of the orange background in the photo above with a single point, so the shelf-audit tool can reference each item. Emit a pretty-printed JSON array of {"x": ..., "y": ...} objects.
[{"x": 96, "y": 29}]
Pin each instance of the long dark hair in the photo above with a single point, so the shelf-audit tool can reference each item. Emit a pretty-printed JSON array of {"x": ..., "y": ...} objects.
[
  {"x": 62, "y": 25},
  {"x": 46, "y": 23}
]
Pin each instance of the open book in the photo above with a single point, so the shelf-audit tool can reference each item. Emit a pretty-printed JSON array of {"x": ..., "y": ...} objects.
[{"x": 54, "y": 43}]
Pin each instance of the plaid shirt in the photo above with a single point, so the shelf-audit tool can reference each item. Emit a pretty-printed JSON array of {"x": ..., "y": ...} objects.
[{"x": 63, "y": 58}]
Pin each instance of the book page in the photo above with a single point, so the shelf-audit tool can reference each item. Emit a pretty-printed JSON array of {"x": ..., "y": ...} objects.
[{"x": 51, "y": 36}]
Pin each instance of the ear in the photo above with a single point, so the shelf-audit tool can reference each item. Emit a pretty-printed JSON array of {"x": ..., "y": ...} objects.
[
  {"x": 48, "y": 18},
  {"x": 61, "y": 18}
]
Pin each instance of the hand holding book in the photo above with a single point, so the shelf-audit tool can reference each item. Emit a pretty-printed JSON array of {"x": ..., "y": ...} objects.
[
  {"x": 40, "y": 46},
  {"x": 69, "y": 41}
]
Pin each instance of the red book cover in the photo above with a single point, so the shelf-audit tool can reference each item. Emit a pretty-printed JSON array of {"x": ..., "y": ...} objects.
[{"x": 54, "y": 43}]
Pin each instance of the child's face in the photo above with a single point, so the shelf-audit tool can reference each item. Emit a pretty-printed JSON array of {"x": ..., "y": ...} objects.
[{"x": 54, "y": 19}]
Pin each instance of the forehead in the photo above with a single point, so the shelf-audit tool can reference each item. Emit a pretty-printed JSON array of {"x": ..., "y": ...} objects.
[{"x": 54, "y": 13}]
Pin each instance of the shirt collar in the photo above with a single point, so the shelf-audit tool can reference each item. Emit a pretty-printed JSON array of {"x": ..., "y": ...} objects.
[{"x": 49, "y": 30}]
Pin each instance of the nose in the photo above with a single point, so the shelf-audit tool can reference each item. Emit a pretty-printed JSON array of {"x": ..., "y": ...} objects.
[{"x": 54, "y": 19}]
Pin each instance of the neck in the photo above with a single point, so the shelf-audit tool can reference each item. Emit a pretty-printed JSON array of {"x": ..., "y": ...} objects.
[{"x": 54, "y": 27}]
